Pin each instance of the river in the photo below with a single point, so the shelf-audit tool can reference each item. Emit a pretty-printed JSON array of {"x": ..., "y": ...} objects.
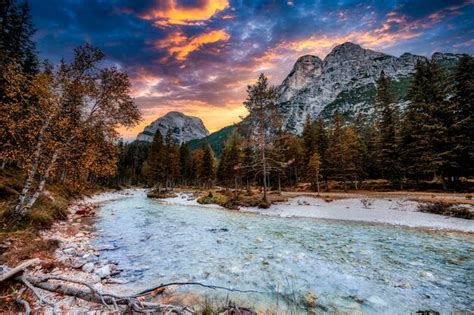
[{"x": 349, "y": 267}]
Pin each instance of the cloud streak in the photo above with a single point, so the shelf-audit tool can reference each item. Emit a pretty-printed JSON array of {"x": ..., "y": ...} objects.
[{"x": 198, "y": 56}]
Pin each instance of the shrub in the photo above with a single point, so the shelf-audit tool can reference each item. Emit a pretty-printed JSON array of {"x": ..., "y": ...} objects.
[{"x": 447, "y": 209}]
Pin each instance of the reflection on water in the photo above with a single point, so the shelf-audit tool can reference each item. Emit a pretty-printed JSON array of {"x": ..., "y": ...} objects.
[{"x": 350, "y": 268}]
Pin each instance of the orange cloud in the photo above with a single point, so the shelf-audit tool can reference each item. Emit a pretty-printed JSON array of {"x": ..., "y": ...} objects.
[
  {"x": 172, "y": 13},
  {"x": 179, "y": 46}
]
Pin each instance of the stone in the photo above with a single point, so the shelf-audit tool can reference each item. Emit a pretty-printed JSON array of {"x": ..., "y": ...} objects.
[
  {"x": 309, "y": 300},
  {"x": 89, "y": 267},
  {"x": 69, "y": 250},
  {"x": 103, "y": 271}
]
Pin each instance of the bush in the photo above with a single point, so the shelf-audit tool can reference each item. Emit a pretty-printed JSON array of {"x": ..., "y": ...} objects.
[
  {"x": 160, "y": 194},
  {"x": 447, "y": 209}
]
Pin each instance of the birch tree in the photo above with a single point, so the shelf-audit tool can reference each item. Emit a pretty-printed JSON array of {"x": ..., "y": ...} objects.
[{"x": 75, "y": 101}]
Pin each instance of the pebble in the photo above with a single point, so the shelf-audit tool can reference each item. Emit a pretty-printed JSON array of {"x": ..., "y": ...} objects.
[
  {"x": 69, "y": 250},
  {"x": 103, "y": 271},
  {"x": 89, "y": 267}
]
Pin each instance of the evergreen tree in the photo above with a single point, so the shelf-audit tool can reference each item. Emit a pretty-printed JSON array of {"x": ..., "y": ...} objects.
[
  {"x": 16, "y": 32},
  {"x": 229, "y": 169},
  {"x": 309, "y": 139},
  {"x": 154, "y": 168},
  {"x": 185, "y": 163},
  {"x": 171, "y": 160},
  {"x": 208, "y": 165},
  {"x": 388, "y": 149},
  {"x": 463, "y": 127},
  {"x": 265, "y": 122},
  {"x": 322, "y": 140},
  {"x": 248, "y": 160},
  {"x": 427, "y": 145},
  {"x": 314, "y": 169},
  {"x": 344, "y": 152}
]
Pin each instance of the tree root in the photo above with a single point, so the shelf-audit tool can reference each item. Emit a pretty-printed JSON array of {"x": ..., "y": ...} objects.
[{"x": 121, "y": 304}]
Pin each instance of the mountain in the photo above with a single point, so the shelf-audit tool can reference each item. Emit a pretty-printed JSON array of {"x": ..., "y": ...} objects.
[
  {"x": 183, "y": 127},
  {"x": 216, "y": 140},
  {"x": 344, "y": 81}
]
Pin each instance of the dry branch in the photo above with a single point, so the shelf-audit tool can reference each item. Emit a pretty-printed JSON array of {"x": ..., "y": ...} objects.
[
  {"x": 20, "y": 268},
  {"x": 61, "y": 285}
]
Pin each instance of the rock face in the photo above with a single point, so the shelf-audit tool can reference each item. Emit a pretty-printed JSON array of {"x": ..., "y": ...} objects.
[
  {"x": 344, "y": 81},
  {"x": 184, "y": 128}
]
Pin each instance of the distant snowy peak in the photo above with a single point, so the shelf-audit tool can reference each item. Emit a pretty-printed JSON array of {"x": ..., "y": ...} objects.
[
  {"x": 184, "y": 128},
  {"x": 343, "y": 81}
]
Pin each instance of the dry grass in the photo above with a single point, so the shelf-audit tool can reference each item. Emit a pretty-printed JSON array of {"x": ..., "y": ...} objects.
[{"x": 447, "y": 209}]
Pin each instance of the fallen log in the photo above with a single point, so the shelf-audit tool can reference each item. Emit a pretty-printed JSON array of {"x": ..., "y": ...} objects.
[
  {"x": 113, "y": 302},
  {"x": 20, "y": 268}
]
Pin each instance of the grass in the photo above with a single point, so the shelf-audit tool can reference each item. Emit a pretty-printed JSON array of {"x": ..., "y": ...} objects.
[{"x": 19, "y": 235}]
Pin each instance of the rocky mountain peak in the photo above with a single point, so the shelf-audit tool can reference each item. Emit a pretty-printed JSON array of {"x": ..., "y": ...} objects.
[
  {"x": 345, "y": 81},
  {"x": 304, "y": 71},
  {"x": 347, "y": 51},
  {"x": 184, "y": 128}
]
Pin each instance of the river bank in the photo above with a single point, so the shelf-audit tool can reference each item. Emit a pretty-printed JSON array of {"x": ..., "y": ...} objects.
[{"x": 380, "y": 208}]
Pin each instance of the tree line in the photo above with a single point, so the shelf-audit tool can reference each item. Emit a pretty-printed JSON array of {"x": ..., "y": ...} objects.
[
  {"x": 57, "y": 122},
  {"x": 430, "y": 138}
]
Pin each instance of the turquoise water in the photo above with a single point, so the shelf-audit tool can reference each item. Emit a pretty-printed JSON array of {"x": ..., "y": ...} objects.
[{"x": 351, "y": 268}]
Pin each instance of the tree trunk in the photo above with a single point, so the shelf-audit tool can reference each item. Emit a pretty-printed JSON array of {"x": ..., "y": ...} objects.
[
  {"x": 42, "y": 182},
  {"x": 279, "y": 184},
  {"x": 265, "y": 198},
  {"x": 22, "y": 198},
  {"x": 317, "y": 182}
]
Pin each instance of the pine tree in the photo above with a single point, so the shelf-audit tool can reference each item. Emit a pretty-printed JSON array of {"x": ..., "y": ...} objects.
[
  {"x": 208, "y": 165},
  {"x": 322, "y": 140},
  {"x": 185, "y": 163},
  {"x": 171, "y": 160},
  {"x": 264, "y": 120},
  {"x": 388, "y": 149},
  {"x": 309, "y": 139},
  {"x": 463, "y": 127},
  {"x": 427, "y": 145},
  {"x": 16, "y": 33},
  {"x": 344, "y": 152},
  {"x": 248, "y": 160},
  {"x": 18, "y": 62},
  {"x": 229, "y": 169},
  {"x": 154, "y": 169},
  {"x": 314, "y": 170}
]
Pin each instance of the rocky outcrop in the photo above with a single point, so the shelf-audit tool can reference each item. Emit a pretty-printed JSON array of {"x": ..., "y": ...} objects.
[
  {"x": 344, "y": 81},
  {"x": 184, "y": 128}
]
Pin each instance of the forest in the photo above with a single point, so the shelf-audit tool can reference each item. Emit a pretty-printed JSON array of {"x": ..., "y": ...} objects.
[{"x": 424, "y": 145}]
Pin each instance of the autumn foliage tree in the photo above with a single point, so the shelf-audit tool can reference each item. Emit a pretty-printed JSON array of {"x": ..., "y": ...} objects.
[{"x": 78, "y": 107}]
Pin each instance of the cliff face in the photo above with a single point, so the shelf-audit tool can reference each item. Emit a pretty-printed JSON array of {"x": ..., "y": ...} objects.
[
  {"x": 344, "y": 81},
  {"x": 184, "y": 128}
]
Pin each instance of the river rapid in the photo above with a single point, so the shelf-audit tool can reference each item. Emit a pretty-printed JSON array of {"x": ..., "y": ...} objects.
[{"x": 349, "y": 268}]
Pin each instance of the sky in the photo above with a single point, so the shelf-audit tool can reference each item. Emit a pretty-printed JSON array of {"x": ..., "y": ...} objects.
[{"x": 198, "y": 56}]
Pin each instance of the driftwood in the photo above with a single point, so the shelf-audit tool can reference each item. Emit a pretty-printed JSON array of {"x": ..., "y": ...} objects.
[
  {"x": 20, "y": 268},
  {"x": 133, "y": 303}
]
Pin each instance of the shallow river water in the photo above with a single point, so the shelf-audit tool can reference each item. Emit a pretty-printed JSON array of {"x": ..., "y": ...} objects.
[{"x": 350, "y": 267}]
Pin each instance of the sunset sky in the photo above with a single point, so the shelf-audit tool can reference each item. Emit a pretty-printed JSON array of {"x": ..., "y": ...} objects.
[{"x": 198, "y": 56}]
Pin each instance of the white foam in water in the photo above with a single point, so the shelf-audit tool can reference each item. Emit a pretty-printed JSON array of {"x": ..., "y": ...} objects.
[{"x": 350, "y": 267}]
